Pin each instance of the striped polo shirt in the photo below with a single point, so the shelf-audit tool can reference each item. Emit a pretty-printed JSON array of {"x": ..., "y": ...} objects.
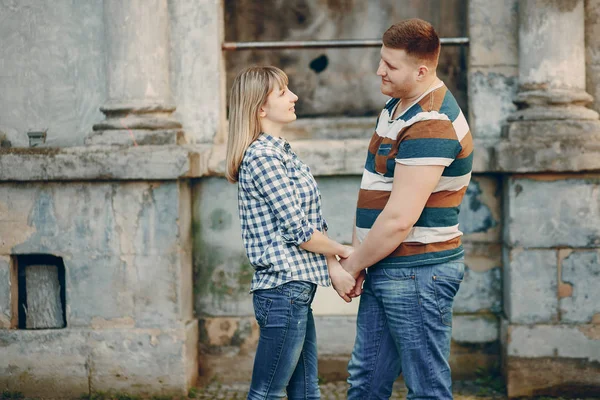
[{"x": 432, "y": 131}]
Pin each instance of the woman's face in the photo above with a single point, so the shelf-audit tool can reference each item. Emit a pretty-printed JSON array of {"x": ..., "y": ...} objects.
[{"x": 280, "y": 106}]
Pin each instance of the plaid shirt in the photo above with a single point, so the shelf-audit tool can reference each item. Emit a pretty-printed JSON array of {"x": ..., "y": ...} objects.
[{"x": 280, "y": 206}]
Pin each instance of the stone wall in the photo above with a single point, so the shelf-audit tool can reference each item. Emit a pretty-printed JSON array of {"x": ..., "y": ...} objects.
[
  {"x": 335, "y": 82},
  {"x": 228, "y": 330},
  {"x": 126, "y": 248}
]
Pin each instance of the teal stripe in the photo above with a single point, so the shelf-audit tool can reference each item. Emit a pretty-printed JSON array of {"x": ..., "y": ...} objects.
[
  {"x": 365, "y": 218},
  {"x": 459, "y": 167},
  {"x": 438, "y": 217},
  {"x": 450, "y": 106},
  {"x": 430, "y": 217},
  {"x": 438, "y": 257},
  {"x": 370, "y": 166},
  {"x": 423, "y": 148}
]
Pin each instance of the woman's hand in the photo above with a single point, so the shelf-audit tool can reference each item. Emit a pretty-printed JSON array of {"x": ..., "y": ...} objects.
[
  {"x": 345, "y": 251},
  {"x": 343, "y": 283}
]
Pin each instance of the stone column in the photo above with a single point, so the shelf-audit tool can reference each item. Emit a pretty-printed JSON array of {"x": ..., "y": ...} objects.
[
  {"x": 140, "y": 106},
  {"x": 551, "y": 331}
]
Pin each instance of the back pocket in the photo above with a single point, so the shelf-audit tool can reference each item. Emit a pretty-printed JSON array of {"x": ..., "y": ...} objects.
[{"x": 262, "y": 305}]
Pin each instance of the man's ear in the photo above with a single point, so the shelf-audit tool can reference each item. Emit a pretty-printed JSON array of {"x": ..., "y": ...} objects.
[{"x": 422, "y": 72}]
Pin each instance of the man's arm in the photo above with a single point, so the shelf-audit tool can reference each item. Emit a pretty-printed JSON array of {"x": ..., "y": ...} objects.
[{"x": 411, "y": 188}]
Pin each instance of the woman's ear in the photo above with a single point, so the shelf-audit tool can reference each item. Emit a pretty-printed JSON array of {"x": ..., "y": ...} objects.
[{"x": 262, "y": 113}]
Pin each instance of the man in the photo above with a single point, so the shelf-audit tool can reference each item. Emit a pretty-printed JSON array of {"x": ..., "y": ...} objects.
[{"x": 417, "y": 172}]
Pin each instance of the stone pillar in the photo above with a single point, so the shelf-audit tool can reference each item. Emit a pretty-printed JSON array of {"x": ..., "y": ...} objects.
[
  {"x": 140, "y": 106},
  {"x": 592, "y": 47},
  {"x": 551, "y": 330}
]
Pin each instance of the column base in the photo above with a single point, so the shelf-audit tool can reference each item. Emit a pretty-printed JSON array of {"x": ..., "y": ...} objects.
[
  {"x": 549, "y": 146},
  {"x": 131, "y": 137}
]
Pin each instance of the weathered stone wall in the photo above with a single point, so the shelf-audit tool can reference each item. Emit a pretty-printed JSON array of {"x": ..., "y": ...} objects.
[
  {"x": 334, "y": 82},
  {"x": 127, "y": 252},
  {"x": 552, "y": 239},
  {"x": 52, "y": 69},
  {"x": 228, "y": 330}
]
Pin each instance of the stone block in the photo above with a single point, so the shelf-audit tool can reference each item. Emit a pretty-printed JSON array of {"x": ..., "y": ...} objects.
[
  {"x": 552, "y": 377},
  {"x": 139, "y": 362},
  {"x": 491, "y": 93},
  {"x": 126, "y": 291},
  {"x": 563, "y": 341},
  {"x": 40, "y": 363},
  {"x": 5, "y": 293},
  {"x": 335, "y": 334},
  {"x": 530, "y": 286},
  {"x": 94, "y": 219},
  {"x": 580, "y": 300},
  {"x": 475, "y": 328},
  {"x": 552, "y": 211},
  {"x": 222, "y": 273},
  {"x": 493, "y": 33},
  {"x": 328, "y": 302},
  {"x": 479, "y": 291}
]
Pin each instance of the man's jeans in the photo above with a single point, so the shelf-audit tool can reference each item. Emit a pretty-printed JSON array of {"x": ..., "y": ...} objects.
[
  {"x": 286, "y": 357},
  {"x": 404, "y": 326}
]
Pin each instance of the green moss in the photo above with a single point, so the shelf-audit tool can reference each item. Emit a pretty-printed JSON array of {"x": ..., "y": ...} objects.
[{"x": 11, "y": 395}]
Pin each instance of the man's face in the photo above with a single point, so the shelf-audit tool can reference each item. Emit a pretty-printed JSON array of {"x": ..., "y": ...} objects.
[{"x": 398, "y": 72}]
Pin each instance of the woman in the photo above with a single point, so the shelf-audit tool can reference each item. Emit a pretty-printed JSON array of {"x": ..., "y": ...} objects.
[{"x": 284, "y": 235}]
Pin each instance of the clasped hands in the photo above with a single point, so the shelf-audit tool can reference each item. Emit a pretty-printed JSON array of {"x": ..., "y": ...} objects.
[{"x": 346, "y": 281}]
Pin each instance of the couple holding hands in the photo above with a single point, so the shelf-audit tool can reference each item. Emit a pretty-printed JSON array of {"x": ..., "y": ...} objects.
[{"x": 406, "y": 261}]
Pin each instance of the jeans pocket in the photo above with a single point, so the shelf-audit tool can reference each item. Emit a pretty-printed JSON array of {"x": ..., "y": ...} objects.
[
  {"x": 262, "y": 305},
  {"x": 301, "y": 292},
  {"x": 445, "y": 288}
]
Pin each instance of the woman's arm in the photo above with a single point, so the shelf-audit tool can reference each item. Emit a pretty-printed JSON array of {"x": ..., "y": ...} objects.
[{"x": 320, "y": 243}]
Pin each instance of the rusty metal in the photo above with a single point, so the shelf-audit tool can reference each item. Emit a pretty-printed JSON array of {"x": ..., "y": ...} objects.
[{"x": 324, "y": 44}]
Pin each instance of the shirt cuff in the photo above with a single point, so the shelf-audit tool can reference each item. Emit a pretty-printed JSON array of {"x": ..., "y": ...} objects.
[{"x": 298, "y": 236}]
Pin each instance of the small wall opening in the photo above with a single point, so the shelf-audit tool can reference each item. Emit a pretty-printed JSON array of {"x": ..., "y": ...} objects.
[{"x": 41, "y": 298}]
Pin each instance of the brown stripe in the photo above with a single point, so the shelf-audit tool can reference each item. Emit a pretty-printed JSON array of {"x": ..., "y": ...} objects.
[
  {"x": 414, "y": 248},
  {"x": 433, "y": 101},
  {"x": 431, "y": 129},
  {"x": 372, "y": 199},
  {"x": 467, "y": 146},
  {"x": 375, "y": 142},
  {"x": 446, "y": 198}
]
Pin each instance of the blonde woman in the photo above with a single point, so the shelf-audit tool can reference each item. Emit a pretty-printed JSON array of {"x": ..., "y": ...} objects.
[{"x": 284, "y": 235}]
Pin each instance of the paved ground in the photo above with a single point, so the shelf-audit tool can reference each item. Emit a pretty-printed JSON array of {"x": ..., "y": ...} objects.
[
  {"x": 483, "y": 389},
  {"x": 337, "y": 390}
]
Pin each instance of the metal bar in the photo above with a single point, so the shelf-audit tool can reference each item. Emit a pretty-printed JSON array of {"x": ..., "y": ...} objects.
[{"x": 324, "y": 44}]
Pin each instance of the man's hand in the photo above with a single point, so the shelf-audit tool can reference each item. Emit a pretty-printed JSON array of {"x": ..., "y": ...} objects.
[
  {"x": 359, "y": 283},
  {"x": 343, "y": 283}
]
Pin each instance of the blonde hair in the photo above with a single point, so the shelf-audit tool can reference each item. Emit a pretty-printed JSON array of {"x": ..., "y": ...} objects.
[{"x": 248, "y": 93}]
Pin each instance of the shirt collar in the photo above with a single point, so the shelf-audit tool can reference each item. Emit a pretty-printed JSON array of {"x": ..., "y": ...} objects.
[{"x": 278, "y": 142}]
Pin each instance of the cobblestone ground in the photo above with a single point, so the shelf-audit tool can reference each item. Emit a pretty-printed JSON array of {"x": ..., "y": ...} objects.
[
  {"x": 471, "y": 390},
  {"x": 337, "y": 390}
]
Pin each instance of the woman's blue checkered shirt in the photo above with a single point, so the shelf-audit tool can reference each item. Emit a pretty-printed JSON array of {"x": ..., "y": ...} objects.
[{"x": 280, "y": 206}]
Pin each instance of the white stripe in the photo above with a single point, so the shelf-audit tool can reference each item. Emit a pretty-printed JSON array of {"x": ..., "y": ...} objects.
[
  {"x": 392, "y": 130},
  {"x": 361, "y": 233},
  {"x": 371, "y": 181},
  {"x": 432, "y": 235},
  {"x": 425, "y": 161},
  {"x": 421, "y": 234},
  {"x": 461, "y": 127},
  {"x": 453, "y": 183}
]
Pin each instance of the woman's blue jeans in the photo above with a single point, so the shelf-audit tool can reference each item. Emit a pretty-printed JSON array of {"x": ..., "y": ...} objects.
[
  {"x": 286, "y": 357},
  {"x": 404, "y": 325}
]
